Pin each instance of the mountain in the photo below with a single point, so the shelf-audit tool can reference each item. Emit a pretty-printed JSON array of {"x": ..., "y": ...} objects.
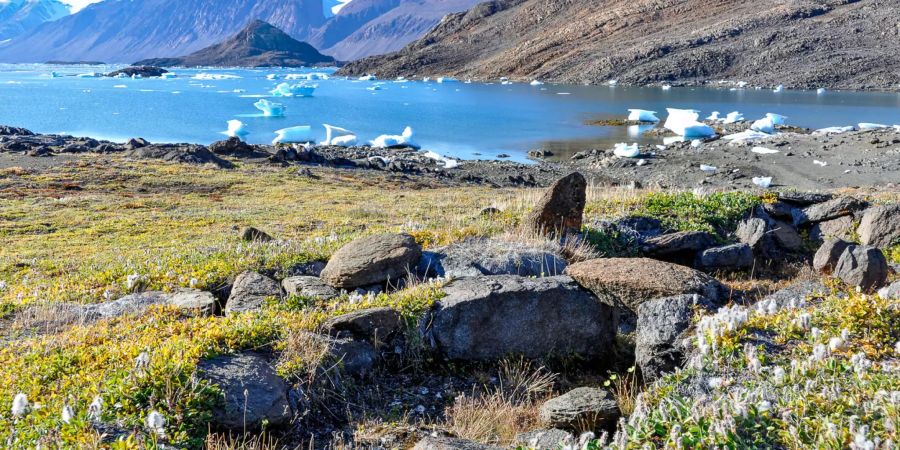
[
  {"x": 21, "y": 16},
  {"x": 128, "y": 30},
  {"x": 798, "y": 43},
  {"x": 259, "y": 44}
]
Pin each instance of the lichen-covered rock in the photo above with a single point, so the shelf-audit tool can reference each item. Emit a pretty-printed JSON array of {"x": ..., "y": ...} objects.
[
  {"x": 252, "y": 392},
  {"x": 307, "y": 286},
  {"x": 560, "y": 211},
  {"x": 475, "y": 257},
  {"x": 827, "y": 256},
  {"x": 880, "y": 226},
  {"x": 553, "y": 438},
  {"x": 660, "y": 340},
  {"x": 188, "y": 299},
  {"x": 729, "y": 257},
  {"x": 580, "y": 409},
  {"x": 489, "y": 318},
  {"x": 250, "y": 291},
  {"x": 840, "y": 228},
  {"x": 862, "y": 266},
  {"x": 372, "y": 260},
  {"x": 448, "y": 443}
]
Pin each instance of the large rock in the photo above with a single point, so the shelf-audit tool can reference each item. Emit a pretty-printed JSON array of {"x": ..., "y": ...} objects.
[
  {"x": 661, "y": 340},
  {"x": 628, "y": 282},
  {"x": 311, "y": 287},
  {"x": 840, "y": 228},
  {"x": 827, "y": 256},
  {"x": 880, "y": 226},
  {"x": 373, "y": 325},
  {"x": 862, "y": 266},
  {"x": 372, "y": 260},
  {"x": 786, "y": 236},
  {"x": 804, "y": 198},
  {"x": 581, "y": 409},
  {"x": 560, "y": 211},
  {"x": 448, "y": 443},
  {"x": 678, "y": 247},
  {"x": 489, "y": 318},
  {"x": 189, "y": 299},
  {"x": 729, "y": 257},
  {"x": 252, "y": 392},
  {"x": 832, "y": 209},
  {"x": 756, "y": 232},
  {"x": 250, "y": 291},
  {"x": 475, "y": 257}
]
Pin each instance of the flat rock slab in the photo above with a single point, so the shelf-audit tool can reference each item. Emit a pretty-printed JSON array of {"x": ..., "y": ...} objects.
[
  {"x": 729, "y": 257},
  {"x": 553, "y": 438},
  {"x": 475, "y": 257},
  {"x": 832, "y": 209},
  {"x": 251, "y": 390},
  {"x": 840, "y": 228},
  {"x": 250, "y": 291},
  {"x": 311, "y": 287},
  {"x": 372, "y": 260},
  {"x": 489, "y": 318},
  {"x": 188, "y": 299},
  {"x": 678, "y": 244},
  {"x": 628, "y": 282},
  {"x": 797, "y": 293},
  {"x": 581, "y": 409}
]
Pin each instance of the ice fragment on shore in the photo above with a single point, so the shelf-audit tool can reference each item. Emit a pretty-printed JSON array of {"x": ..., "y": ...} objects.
[
  {"x": 388, "y": 141},
  {"x": 776, "y": 119},
  {"x": 368, "y": 78},
  {"x": 733, "y": 117},
  {"x": 443, "y": 80},
  {"x": 641, "y": 115},
  {"x": 764, "y": 126},
  {"x": 763, "y": 182},
  {"x": 708, "y": 169},
  {"x": 763, "y": 150},
  {"x": 236, "y": 128},
  {"x": 537, "y": 83},
  {"x": 294, "y": 90},
  {"x": 696, "y": 143},
  {"x": 666, "y": 87},
  {"x": 779, "y": 89},
  {"x": 684, "y": 122},
  {"x": 834, "y": 130},
  {"x": 298, "y": 134},
  {"x": 612, "y": 82},
  {"x": 820, "y": 163},
  {"x": 448, "y": 162},
  {"x": 270, "y": 109},
  {"x": 338, "y": 136},
  {"x": 821, "y": 91},
  {"x": 872, "y": 126},
  {"x": 714, "y": 116},
  {"x": 623, "y": 150}
]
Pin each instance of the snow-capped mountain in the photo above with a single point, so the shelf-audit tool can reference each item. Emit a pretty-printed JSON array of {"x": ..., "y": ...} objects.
[
  {"x": 333, "y": 7},
  {"x": 21, "y": 16}
]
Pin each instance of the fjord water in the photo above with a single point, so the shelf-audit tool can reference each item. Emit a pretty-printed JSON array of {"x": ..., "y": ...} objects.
[{"x": 456, "y": 119}]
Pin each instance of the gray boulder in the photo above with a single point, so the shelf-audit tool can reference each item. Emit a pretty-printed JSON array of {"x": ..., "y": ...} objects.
[
  {"x": 661, "y": 341},
  {"x": 553, "y": 438},
  {"x": 628, "y": 282},
  {"x": 757, "y": 233},
  {"x": 677, "y": 247},
  {"x": 840, "y": 228},
  {"x": 797, "y": 292},
  {"x": 249, "y": 291},
  {"x": 194, "y": 299},
  {"x": 826, "y": 258},
  {"x": 880, "y": 226},
  {"x": 862, "y": 266},
  {"x": 581, "y": 409},
  {"x": 250, "y": 234},
  {"x": 832, "y": 209},
  {"x": 804, "y": 198},
  {"x": 312, "y": 287},
  {"x": 374, "y": 325},
  {"x": 372, "y": 260},
  {"x": 489, "y": 318},
  {"x": 448, "y": 443},
  {"x": 252, "y": 392},
  {"x": 786, "y": 236},
  {"x": 355, "y": 358},
  {"x": 475, "y": 257},
  {"x": 891, "y": 292},
  {"x": 560, "y": 211},
  {"x": 729, "y": 257},
  {"x": 188, "y": 299},
  {"x": 779, "y": 209}
]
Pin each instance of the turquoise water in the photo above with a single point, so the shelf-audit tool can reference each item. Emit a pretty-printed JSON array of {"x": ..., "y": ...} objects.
[{"x": 456, "y": 119}]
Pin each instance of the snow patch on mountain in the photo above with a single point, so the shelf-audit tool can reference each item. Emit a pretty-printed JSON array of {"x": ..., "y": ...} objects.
[{"x": 333, "y": 7}]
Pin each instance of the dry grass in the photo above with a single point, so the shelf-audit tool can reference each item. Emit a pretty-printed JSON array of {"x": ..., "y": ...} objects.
[
  {"x": 625, "y": 388},
  {"x": 302, "y": 354},
  {"x": 216, "y": 441},
  {"x": 47, "y": 318}
]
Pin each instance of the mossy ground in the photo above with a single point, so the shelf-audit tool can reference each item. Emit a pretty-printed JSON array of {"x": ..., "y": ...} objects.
[{"x": 74, "y": 233}]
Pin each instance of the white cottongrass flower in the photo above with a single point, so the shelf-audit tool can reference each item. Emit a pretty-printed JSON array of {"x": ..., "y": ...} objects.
[
  {"x": 3, "y": 285},
  {"x": 861, "y": 440},
  {"x": 819, "y": 352},
  {"x": 764, "y": 406},
  {"x": 816, "y": 333},
  {"x": 835, "y": 344},
  {"x": 845, "y": 334},
  {"x": 193, "y": 283},
  {"x": 803, "y": 321},
  {"x": 142, "y": 362},
  {"x": 897, "y": 348},
  {"x": 20, "y": 405},
  {"x": 155, "y": 422},
  {"x": 778, "y": 374},
  {"x": 132, "y": 281},
  {"x": 67, "y": 414},
  {"x": 96, "y": 408}
]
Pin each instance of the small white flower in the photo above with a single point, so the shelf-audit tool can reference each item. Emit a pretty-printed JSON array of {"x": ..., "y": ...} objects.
[
  {"x": 816, "y": 333},
  {"x": 819, "y": 352},
  {"x": 20, "y": 405},
  {"x": 835, "y": 344},
  {"x": 764, "y": 406},
  {"x": 2, "y": 285},
  {"x": 142, "y": 362},
  {"x": 96, "y": 408},
  {"x": 67, "y": 414},
  {"x": 779, "y": 374},
  {"x": 897, "y": 348},
  {"x": 156, "y": 422},
  {"x": 845, "y": 334},
  {"x": 193, "y": 283}
]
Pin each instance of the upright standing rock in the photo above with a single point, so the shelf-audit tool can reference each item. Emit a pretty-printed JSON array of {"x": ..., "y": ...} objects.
[
  {"x": 862, "y": 266},
  {"x": 827, "y": 256},
  {"x": 560, "y": 210},
  {"x": 660, "y": 339},
  {"x": 372, "y": 260},
  {"x": 880, "y": 226}
]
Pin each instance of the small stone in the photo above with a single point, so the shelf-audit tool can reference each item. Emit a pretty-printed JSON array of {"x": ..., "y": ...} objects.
[
  {"x": 250, "y": 234},
  {"x": 729, "y": 257},
  {"x": 250, "y": 291},
  {"x": 581, "y": 409},
  {"x": 374, "y": 325},
  {"x": 311, "y": 287}
]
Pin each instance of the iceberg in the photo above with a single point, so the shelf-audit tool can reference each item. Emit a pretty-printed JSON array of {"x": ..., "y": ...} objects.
[
  {"x": 777, "y": 119},
  {"x": 377, "y": 87},
  {"x": 270, "y": 109},
  {"x": 271, "y": 77},
  {"x": 872, "y": 126},
  {"x": 236, "y": 128},
  {"x": 315, "y": 76},
  {"x": 612, "y": 82},
  {"x": 537, "y": 83},
  {"x": 742, "y": 84},
  {"x": 299, "y": 134},
  {"x": 448, "y": 162},
  {"x": 89, "y": 75},
  {"x": 54, "y": 75},
  {"x": 821, "y": 91},
  {"x": 733, "y": 117},
  {"x": 388, "y": 141},
  {"x": 368, "y": 78},
  {"x": 640, "y": 115},
  {"x": 763, "y": 151},
  {"x": 215, "y": 76},
  {"x": 623, "y": 150},
  {"x": 779, "y": 89},
  {"x": 167, "y": 76},
  {"x": 714, "y": 116},
  {"x": 340, "y": 137},
  {"x": 294, "y": 90},
  {"x": 666, "y": 87},
  {"x": 763, "y": 182},
  {"x": 136, "y": 76},
  {"x": 834, "y": 130},
  {"x": 683, "y": 122},
  {"x": 446, "y": 80},
  {"x": 766, "y": 125}
]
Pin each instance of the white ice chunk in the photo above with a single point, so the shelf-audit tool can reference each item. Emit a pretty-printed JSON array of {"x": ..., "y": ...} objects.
[
  {"x": 763, "y": 151},
  {"x": 777, "y": 119},
  {"x": 763, "y": 182},
  {"x": 448, "y": 162},
  {"x": 779, "y": 89},
  {"x": 89, "y": 75},
  {"x": 714, "y": 116},
  {"x": 299, "y": 134},
  {"x": 733, "y": 117},
  {"x": 537, "y": 83},
  {"x": 640, "y": 115},
  {"x": 834, "y": 130},
  {"x": 236, "y": 128},
  {"x": 612, "y": 82},
  {"x": 820, "y": 163},
  {"x": 315, "y": 76},
  {"x": 696, "y": 143},
  {"x": 136, "y": 76},
  {"x": 623, "y": 150},
  {"x": 708, "y": 168},
  {"x": 294, "y": 90},
  {"x": 375, "y": 88},
  {"x": 271, "y": 77},
  {"x": 821, "y": 91},
  {"x": 368, "y": 78},
  {"x": 764, "y": 126},
  {"x": 270, "y": 109},
  {"x": 742, "y": 84},
  {"x": 872, "y": 126},
  {"x": 666, "y": 87},
  {"x": 215, "y": 76},
  {"x": 388, "y": 141},
  {"x": 447, "y": 80},
  {"x": 54, "y": 75},
  {"x": 684, "y": 122},
  {"x": 338, "y": 136},
  {"x": 168, "y": 76}
]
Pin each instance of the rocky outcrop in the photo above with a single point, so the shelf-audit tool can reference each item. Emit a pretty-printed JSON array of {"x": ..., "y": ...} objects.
[
  {"x": 561, "y": 209},
  {"x": 864, "y": 267},
  {"x": 178, "y": 153},
  {"x": 140, "y": 71},
  {"x": 252, "y": 393},
  {"x": 629, "y": 282},
  {"x": 374, "y": 325},
  {"x": 840, "y": 228},
  {"x": 582, "y": 408},
  {"x": 250, "y": 291},
  {"x": 826, "y": 258},
  {"x": 488, "y": 318},
  {"x": 729, "y": 257},
  {"x": 880, "y": 226},
  {"x": 372, "y": 260},
  {"x": 188, "y": 299},
  {"x": 476, "y": 257},
  {"x": 661, "y": 341}
]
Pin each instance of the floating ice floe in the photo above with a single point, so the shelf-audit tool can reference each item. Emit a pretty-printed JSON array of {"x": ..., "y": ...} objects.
[
  {"x": 742, "y": 84},
  {"x": 120, "y": 86},
  {"x": 294, "y": 90},
  {"x": 300, "y": 134},
  {"x": 168, "y": 76},
  {"x": 89, "y": 75},
  {"x": 215, "y": 76},
  {"x": 714, "y": 116},
  {"x": 872, "y": 126},
  {"x": 338, "y": 136},
  {"x": 623, "y": 150},
  {"x": 368, "y": 78},
  {"x": 401, "y": 80},
  {"x": 315, "y": 76},
  {"x": 708, "y": 168},
  {"x": 536, "y": 83},
  {"x": 270, "y": 109},
  {"x": 763, "y": 182},
  {"x": 136, "y": 76},
  {"x": 733, "y": 117},
  {"x": 236, "y": 128},
  {"x": 641, "y": 115},
  {"x": 763, "y": 151},
  {"x": 377, "y": 87},
  {"x": 821, "y": 91},
  {"x": 612, "y": 82},
  {"x": 388, "y": 141},
  {"x": 684, "y": 122},
  {"x": 666, "y": 87},
  {"x": 271, "y": 77},
  {"x": 834, "y": 130},
  {"x": 121, "y": 75},
  {"x": 779, "y": 89},
  {"x": 447, "y": 80},
  {"x": 449, "y": 163}
]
